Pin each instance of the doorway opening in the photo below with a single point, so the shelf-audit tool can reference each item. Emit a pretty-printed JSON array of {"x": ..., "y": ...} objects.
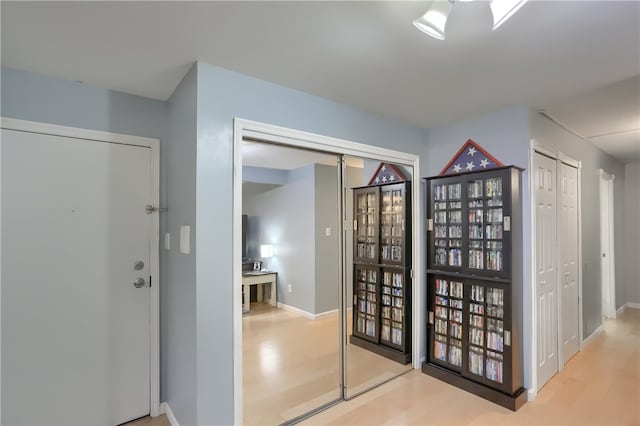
[
  {"x": 607, "y": 252},
  {"x": 271, "y": 338}
]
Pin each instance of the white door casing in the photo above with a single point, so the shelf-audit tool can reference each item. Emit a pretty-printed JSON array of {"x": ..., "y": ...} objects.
[
  {"x": 568, "y": 234},
  {"x": 545, "y": 269},
  {"x": 79, "y": 340},
  {"x": 607, "y": 252}
]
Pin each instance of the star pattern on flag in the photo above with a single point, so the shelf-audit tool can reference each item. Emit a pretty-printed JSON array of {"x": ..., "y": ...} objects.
[
  {"x": 471, "y": 157},
  {"x": 387, "y": 173}
]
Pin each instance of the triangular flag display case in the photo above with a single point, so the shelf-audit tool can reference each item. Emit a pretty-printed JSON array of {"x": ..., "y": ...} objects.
[
  {"x": 381, "y": 265},
  {"x": 470, "y": 158},
  {"x": 474, "y": 283}
]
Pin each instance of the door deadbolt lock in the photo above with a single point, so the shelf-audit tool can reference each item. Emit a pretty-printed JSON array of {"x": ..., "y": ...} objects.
[
  {"x": 138, "y": 265},
  {"x": 139, "y": 283}
]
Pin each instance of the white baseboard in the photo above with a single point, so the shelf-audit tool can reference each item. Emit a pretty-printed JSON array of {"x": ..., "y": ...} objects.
[
  {"x": 305, "y": 313},
  {"x": 165, "y": 409},
  {"x": 620, "y": 310},
  {"x": 597, "y": 331},
  {"x": 631, "y": 305},
  {"x": 532, "y": 394}
]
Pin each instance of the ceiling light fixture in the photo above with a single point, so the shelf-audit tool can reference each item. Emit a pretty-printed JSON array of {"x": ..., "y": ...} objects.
[{"x": 433, "y": 22}]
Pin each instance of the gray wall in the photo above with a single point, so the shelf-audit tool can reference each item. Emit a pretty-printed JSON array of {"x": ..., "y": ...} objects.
[
  {"x": 34, "y": 97},
  {"x": 284, "y": 216},
  {"x": 327, "y": 249},
  {"x": 555, "y": 138},
  {"x": 630, "y": 256},
  {"x": 178, "y": 285}
]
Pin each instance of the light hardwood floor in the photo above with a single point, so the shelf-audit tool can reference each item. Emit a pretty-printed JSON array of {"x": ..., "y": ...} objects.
[
  {"x": 291, "y": 365},
  {"x": 599, "y": 386}
]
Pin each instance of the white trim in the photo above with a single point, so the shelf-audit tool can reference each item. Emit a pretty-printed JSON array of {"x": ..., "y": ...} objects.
[
  {"x": 621, "y": 309},
  {"x": 569, "y": 161},
  {"x": 237, "y": 277},
  {"x": 306, "y": 314},
  {"x": 597, "y": 331},
  {"x": 631, "y": 305},
  {"x": 166, "y": 410},
  {"x": 284, "y": 136},
  {"x": 154, "y": 268},
  {"x": 0, "y": 279},
  {"x": 532, "y": 367}
]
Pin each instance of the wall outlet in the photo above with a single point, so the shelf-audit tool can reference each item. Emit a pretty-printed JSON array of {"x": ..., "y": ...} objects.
[
  {"x": 290, "y": 288},
  {"x": 327, "y": 232}
]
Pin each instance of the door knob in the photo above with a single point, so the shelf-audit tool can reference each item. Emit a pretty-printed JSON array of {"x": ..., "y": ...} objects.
[{"x": 139, "y": 283}]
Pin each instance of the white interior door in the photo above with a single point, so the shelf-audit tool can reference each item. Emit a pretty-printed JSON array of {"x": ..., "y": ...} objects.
[
  {"x": 75, "y": 329},
  {"x": 568, "y": 234},
  {"x": 546, "y": 270},
  {"x": 607, "y": 266}
]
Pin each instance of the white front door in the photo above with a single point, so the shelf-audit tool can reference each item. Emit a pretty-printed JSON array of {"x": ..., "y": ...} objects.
[
  {"x": 568, "y": 234},
  {"x": 75, "y": 238},
  {"x": 546, "y": 271}
]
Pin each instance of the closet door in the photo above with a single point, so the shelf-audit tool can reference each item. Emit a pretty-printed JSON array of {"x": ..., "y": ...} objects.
[
  {"x": 546, "y": 272},
  {"x": 569, "y": 261}
]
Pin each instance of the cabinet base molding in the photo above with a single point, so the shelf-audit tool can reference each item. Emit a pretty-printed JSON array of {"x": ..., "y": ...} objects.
[
  {"x": 512, "y": 402},
  {"x": 384, "y": 351}
]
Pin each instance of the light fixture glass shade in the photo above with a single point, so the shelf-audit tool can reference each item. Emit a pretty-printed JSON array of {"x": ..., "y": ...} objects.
[
  {"x": 434, "y": 21},
  {"x": 266, "y": 251},
  {"x": 504, "y": 9}
]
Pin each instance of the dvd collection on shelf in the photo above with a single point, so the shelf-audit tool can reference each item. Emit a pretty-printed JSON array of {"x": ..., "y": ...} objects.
[
  {"x": 382, "y": 256},
  {"x": 473, "y": 283}
]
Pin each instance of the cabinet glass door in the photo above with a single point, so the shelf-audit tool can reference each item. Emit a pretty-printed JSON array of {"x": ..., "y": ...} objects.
[
  {"x": 485, "y": 226},
  {"x": 447, "y": 224},
  {"x": 448, "y": 323},
  {"x": 365, "y": 307},
  {"x": 392, "y": 227},
  {"x": 366, "y": 227},
  {"x": 392, "y": 308},
  {"x": 486, "y": 333}
]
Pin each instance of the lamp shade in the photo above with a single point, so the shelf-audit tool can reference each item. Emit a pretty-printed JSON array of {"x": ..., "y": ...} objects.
[
  {"x": 504, "y": 9},
  {"x": 266, "y": 251},
  {"x": 434, "y": 21}
]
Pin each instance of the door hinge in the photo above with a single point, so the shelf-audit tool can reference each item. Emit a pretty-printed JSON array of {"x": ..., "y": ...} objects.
[
  {"x": 355, "y": 225},
  {"x": 430, "y": 320},
  {"x": 152, "y": 209},
  {"x": 430, "y": 225},
  {"x": 507, "y": 338}
]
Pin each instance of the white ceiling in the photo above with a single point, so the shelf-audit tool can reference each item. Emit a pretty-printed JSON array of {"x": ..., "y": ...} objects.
[{"x": 366, "y": 54}]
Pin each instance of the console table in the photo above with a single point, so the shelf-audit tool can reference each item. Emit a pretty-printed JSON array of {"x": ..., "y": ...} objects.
[{"x": 258, "y": 278}]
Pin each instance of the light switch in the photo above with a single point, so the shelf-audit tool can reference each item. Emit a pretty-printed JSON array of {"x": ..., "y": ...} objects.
[
  {"x": 327, "y": 232},
  {"x": 185, "y": 239},
  {"x": 167, "y": 241}
]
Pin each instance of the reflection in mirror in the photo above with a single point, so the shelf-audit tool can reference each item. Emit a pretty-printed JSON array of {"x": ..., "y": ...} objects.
[
  {"x": 291, "y": 282},
  {"x": 377, "y": 273}
]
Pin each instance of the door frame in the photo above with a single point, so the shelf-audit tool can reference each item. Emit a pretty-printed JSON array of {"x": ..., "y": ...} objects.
[
  {"x": 154, "y": 266},
  {"x": 536, "y": 147},
  {"x": 607, "y": 241},
  {"x": 242, "y": 129}
]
